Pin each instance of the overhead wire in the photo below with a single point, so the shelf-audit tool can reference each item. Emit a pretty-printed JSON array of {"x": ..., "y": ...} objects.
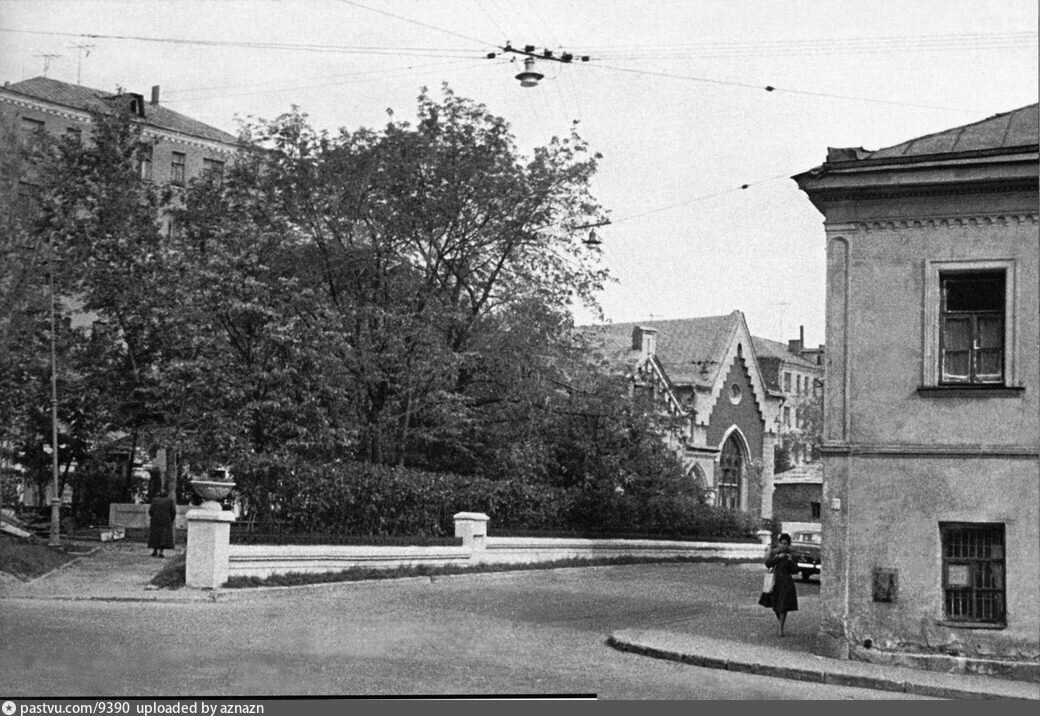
[
  {"x": 405, "y": 71},
  {"x": 771, "y": 88},
  {"x": 505, "y": 35},
  {"x": 395, "y": 51},
  {"x": 704, "y": 197},
  {"x": 819, "y": 46},
  {"x": 417, "y": 22}
]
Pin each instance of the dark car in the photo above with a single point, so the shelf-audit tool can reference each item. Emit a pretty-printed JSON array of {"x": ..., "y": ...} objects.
[{"x": 805, "y": 548}]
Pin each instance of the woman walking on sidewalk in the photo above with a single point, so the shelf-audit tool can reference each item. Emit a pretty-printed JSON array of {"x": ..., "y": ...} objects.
[
  {"x": 783, "y": 598},
  {"x": 162, "y": 513}
]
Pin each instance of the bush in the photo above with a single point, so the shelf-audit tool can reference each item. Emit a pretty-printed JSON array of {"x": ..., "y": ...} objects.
[
  {"x": 377, "y": 500},
  {"x": 364, "y": 499}
]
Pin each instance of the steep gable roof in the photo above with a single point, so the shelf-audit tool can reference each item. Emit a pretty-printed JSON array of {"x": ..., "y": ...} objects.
[
  {"x": 88, "y": 99},
  {"x": 695, "y": 352},
  {"x": 691, "y": 350},
  {"x": 766, "y": 348}
]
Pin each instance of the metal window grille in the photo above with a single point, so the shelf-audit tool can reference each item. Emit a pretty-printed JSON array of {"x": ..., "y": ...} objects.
[{"x": 973, "y": 572}]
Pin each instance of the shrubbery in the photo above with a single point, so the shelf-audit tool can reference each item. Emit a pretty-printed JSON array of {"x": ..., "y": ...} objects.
[{"x": 376, "y": 500}]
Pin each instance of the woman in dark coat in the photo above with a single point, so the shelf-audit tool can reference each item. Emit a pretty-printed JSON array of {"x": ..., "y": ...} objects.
[
  {"x": 783, "y": 598},
  {"x": 162, "y": 513}
]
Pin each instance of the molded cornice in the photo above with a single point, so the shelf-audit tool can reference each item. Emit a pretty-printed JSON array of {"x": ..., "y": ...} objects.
[{"x": 928, "y": 450}]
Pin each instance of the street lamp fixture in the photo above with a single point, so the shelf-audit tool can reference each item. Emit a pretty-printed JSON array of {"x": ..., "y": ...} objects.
[{"x": 529, "y": 78}]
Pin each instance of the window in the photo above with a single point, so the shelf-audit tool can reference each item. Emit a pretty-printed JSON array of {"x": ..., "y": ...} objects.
[
  {"x": 213, "y": 169},
  {"x": 28, "y": 199},
  {"x": 787, "y": 382},
  {"x": 31, "y": 129},
  {"x": 970, "y": 338},
  {"x": 971, "y": 329},
  {"x": 144, "y": 166},
  {"x": 973, "y": 572},
  {"x": 731, "y": 464},
  {"x": 787, "y": 417},
  {"x": 814, "y": 507},
  {"x": 177, "y": 163},
  {"x": 74, "y": 135}
]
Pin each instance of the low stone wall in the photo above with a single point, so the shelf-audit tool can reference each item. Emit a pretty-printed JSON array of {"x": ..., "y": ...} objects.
[
  {"x": 128, "y": 514},
  {"x": 211, "y": 559},
  {"x": 265, "y": 560},
  {"x": 520, "y": 550}
]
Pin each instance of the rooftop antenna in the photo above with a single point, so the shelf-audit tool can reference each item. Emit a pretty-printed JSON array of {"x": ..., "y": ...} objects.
[
  {"x": 783, "y": 313},
  {"x": 47, "y": 57},
  {"x": 84, "y": 51}
]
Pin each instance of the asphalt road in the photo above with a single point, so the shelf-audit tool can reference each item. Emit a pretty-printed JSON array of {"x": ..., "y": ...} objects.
[{"x": 538, "y": 632}]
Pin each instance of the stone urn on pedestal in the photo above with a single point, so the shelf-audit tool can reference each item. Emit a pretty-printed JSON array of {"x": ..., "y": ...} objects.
[
  {"x": 209, "y": 535},
  {"x": 212, "y": 492}
]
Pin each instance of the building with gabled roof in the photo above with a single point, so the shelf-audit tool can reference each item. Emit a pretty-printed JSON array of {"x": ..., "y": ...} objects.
[
  {"x": 704, "y": 372},
  {"x": 182, "y": 147},
  {"x": 931, "y": 451},
  {"x": 797, "y": 373}
]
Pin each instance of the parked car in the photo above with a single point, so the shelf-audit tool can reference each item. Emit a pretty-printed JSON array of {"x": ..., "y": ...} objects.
[{"x": 805, "y": 548}]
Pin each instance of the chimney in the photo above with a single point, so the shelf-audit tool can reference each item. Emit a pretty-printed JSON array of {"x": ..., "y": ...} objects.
[
  {"x": 797, "y": 345},
  {"x": 644, "y": 340},
  {"x": 155, "y": 94}
]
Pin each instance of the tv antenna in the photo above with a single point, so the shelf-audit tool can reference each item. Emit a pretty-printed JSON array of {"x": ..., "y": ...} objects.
[
  {"x": 84, "y": 51},
  {"x": 47, "y": 57}
]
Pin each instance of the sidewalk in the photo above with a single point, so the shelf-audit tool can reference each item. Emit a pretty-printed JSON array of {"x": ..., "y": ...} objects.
[
  {"x": 737, "y": 637},
  {"x": 110, "y": 571},
  {"x": 742, "y": 637}
]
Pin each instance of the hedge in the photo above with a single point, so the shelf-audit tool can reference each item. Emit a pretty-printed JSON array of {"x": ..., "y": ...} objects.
[{"x": 365, "y": 499}]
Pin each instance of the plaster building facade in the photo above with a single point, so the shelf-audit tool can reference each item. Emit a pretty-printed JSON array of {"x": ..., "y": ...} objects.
[
  {"x": 704, "y": 372},
  {"x": 931, "y": 454},
  {"x": 182, "y": 147},
  {"x": 797, "y": 374},
  {"x": 798, "y": 498}
]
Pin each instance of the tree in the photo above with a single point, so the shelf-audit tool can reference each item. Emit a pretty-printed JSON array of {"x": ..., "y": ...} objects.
[
  {"x": 403, "y": 257},
  {"x": 101, "y": 225},
  {"x": 802, "y": 442}
]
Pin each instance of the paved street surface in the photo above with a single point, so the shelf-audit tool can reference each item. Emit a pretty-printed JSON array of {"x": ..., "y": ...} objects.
[{"x": 538, "y": 632}]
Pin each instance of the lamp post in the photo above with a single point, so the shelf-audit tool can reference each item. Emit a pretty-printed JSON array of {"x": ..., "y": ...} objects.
[{"x": 55, "y": 540}]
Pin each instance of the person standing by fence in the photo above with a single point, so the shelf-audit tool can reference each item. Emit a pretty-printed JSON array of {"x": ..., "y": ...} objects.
[{"x": 161, "y": 513}]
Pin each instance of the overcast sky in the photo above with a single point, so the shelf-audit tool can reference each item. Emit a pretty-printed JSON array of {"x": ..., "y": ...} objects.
[{"x": 673, "y": 97}]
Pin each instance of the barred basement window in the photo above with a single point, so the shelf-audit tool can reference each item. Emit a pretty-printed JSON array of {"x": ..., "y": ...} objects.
[{"x": 973, "y": 572}]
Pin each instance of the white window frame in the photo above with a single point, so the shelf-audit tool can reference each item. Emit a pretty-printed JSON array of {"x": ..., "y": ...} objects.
[{"x": 930, "y": 371}]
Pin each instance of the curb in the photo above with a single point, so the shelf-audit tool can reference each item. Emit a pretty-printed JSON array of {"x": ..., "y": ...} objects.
[
  {"x": 795, "y": 673},
  {"x": 61, "y": 567}
]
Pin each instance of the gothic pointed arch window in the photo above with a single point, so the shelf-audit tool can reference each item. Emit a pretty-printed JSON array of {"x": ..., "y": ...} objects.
[{"x": 731, "y": 472}]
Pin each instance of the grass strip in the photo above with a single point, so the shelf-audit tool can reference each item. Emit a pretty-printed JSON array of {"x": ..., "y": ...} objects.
[{"x": 356, "y": 574}]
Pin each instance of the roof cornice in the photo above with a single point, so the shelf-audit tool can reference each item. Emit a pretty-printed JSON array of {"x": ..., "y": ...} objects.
[{"x": 64, "y": 111}]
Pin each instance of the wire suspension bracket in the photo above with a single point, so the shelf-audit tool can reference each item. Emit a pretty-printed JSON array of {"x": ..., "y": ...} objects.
[{"x": 530, "y": 77}]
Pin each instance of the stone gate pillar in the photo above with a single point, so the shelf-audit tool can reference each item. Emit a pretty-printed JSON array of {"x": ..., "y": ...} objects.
[{"x": 209, "y": 542}]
